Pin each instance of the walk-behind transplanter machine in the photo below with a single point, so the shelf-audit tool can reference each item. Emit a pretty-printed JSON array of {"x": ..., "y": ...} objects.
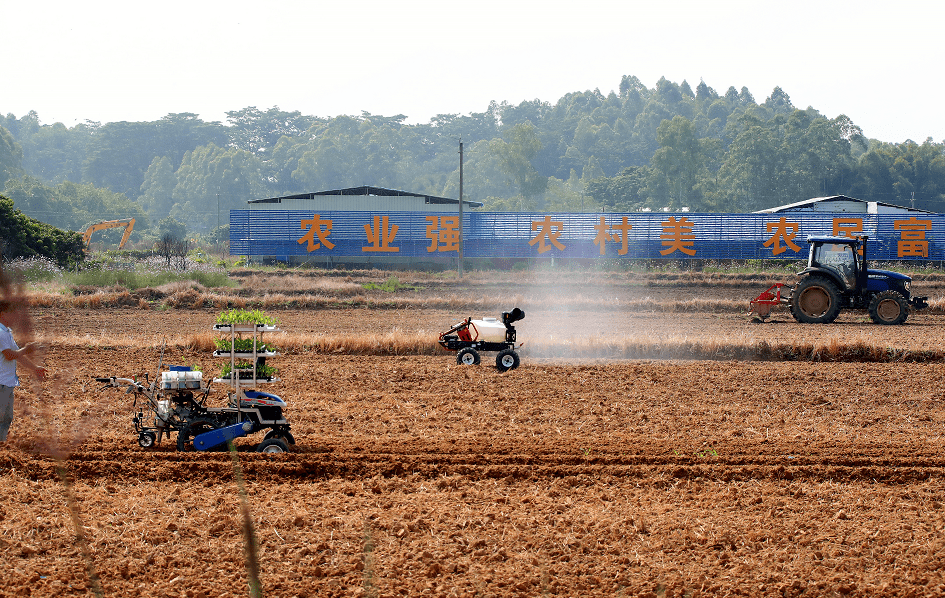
[
  {"x": 470, "y": 336},
  {"x": 176, "y": 401}
]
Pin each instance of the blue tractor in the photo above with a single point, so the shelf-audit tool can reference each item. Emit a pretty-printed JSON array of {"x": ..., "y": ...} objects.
[{"x": 837, "y": 277}]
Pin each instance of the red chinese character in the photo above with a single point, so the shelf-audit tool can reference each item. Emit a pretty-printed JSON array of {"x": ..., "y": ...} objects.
[
  {"x": 550, "y": 230},
  {"x": 602, "y": 235},
  {"x": 443, "y": 232},
  {"x": 316, "y": 226},
  {"x": 381, "y": 235},
  {"x": 678, "y": 235},
  {"x": 913, "y": 242},
  {"x": 617, "y": 234},
  {"x": 847, "y": 227},
  {"x": 782, "y": 230}
]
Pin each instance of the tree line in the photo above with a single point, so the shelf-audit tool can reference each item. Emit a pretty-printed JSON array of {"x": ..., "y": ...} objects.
[
  {"x": 635, "y": 148},
  {"x": 22, "y": 236}
]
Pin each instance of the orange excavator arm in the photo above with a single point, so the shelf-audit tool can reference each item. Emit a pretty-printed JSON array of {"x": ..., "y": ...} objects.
[
  {"x": 124, "y": 238},
  {"x": 128, "y": 223}
]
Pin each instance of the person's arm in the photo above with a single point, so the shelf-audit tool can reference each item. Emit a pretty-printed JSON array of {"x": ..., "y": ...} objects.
[{"x": 20, "y": 356}]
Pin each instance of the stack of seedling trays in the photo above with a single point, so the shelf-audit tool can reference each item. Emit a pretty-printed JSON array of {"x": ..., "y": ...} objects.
[{"x": 246, "y": 349}]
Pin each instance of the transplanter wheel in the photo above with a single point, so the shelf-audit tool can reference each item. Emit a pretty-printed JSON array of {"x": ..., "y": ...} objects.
[
  {"x": 273, "y": 445},
  {"x": 283, "y": 435},
  {"x": 506, "y": 360},
  {"x": 468, "y": 356},
  {"x": 146, "y": 439}
]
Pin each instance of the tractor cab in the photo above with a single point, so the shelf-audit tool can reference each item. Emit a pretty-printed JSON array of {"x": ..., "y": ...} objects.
[{"x": 839, "y": 257}]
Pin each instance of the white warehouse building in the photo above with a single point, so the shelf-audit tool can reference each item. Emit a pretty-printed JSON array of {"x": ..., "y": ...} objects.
[{"x": 842, "y": 203}]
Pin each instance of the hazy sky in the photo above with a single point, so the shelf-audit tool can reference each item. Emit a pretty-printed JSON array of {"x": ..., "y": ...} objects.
[{"x": 877, "y": 62}]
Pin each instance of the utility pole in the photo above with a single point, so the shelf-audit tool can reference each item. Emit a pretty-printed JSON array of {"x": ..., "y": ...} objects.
[
  {"x": 460, "y": 262},
  {"x": 218, "y": 210}
]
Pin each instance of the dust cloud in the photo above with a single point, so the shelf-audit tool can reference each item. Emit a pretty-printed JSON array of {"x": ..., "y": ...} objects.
[{"x": 585, "y": 316}]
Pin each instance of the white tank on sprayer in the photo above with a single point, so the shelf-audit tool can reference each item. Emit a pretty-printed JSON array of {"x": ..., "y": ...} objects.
[{"x": 490, "y": 330}]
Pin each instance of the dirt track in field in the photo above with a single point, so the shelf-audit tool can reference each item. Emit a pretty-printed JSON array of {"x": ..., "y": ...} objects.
[{"x": 415, "y": 476}]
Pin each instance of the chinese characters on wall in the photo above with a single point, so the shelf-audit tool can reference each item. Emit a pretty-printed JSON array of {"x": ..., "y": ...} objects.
[{"x": 678, "y": 235}]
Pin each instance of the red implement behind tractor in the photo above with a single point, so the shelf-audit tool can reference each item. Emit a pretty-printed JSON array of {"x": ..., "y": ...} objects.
[{"x": 762, "y": 305}]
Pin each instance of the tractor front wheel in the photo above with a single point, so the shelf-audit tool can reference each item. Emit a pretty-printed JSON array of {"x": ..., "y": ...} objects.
[
  {"x": 468, "y": 356},
  {"x": 815, "y": 300},
  {"x": 889, "y": 307}
]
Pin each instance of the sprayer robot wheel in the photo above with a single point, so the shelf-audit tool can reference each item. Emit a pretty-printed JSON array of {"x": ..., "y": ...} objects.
[
  {"x": 468, "y": 356},
  {"x": 507, "y": 360}
]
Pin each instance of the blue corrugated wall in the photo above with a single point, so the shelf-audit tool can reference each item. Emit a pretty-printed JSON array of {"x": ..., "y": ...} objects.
[{"x": 513, "y": 234}]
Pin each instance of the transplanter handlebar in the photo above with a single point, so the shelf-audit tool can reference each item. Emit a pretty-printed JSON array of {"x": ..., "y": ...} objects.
[{"x": 115, "y": 381}]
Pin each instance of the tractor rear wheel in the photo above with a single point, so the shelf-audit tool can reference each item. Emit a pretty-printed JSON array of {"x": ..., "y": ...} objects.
[
  {"x": 815, "y": 300},
  {"x": 468, "y": 356},
  {"x": 889, "y": 307}
]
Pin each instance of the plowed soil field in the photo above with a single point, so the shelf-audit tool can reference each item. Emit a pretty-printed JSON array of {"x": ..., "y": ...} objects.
[{"x": 412, "y": 475}]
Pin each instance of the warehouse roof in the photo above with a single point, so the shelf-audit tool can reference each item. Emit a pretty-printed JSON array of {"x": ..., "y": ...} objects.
[
  {"x": 840, "y": 203},
  {"x": 366, "y": 190}
]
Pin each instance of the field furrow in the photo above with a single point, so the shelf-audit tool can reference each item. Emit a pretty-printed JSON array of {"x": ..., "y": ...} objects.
[{"x": 590, "y": 470}]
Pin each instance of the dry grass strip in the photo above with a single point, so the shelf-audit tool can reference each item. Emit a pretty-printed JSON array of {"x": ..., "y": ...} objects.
[
  {"x": 397, "y": 342},
  {"x": 193, "y": 298}
]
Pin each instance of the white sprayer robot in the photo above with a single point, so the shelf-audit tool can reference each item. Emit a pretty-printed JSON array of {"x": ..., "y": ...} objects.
[{"x": 470, "y": 336}]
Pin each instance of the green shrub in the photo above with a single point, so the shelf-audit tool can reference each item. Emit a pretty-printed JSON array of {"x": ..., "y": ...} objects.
[
  {"x": 390, "y": 285},
  {"x": 132, "y": 280},
  {"x": 22, "y": 236}
]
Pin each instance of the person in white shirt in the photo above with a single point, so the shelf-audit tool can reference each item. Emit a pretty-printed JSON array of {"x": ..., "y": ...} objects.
[{"x": 11, "y": 356}]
